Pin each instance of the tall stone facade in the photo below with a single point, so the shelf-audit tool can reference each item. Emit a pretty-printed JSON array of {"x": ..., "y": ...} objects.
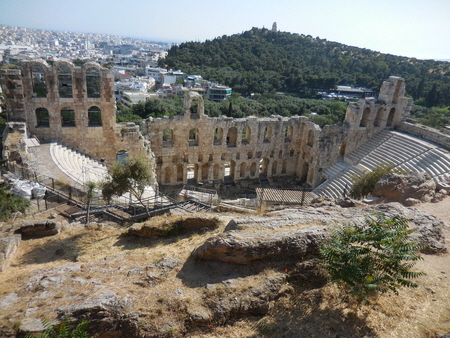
[
  {"x": 204, "y": 148},
  {"x": 76, "y": 106},
  {"x": 71, "y": 105}
]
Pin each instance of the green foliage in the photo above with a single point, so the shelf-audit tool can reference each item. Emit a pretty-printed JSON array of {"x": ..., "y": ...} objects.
[
  {"x": 432, "y": 117},
  {"x": 262, "y": 61},
  {"x": 329, "y": 112},
  {"x": 10, "y": 202},
  {"x": 65, "y": 329},
  {"x": 129, "y": 177},
  {"x": 372, "y": 259},
  {"x": 365, "y": 183}
]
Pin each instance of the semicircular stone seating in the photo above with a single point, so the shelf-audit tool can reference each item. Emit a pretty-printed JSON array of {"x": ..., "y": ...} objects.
[{"x": 390, "y": 147}]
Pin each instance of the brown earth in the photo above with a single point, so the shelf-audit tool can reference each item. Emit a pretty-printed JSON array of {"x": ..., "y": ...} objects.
[{"x": 110, "y": 261}]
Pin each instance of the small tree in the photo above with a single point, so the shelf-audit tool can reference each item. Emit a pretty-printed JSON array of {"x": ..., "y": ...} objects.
[
  {"x": 372, "y": 259},
  {"x": 365, "y": 183},
  {"x": 90, "y": 193},
  {"x": 133, "y": 176},
  {"x": 9, "y": 202}
]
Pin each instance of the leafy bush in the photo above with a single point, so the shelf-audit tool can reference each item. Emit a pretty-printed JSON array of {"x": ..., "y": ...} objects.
[
  {"x": 375, "y": 258},
  {"x": 65, "y": 329},
  {"x": 10, "y": 202},
  {"x": 365, "y": 183}
]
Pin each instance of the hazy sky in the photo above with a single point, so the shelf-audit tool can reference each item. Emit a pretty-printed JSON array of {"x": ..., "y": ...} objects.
[{"x": 414, "y": 28}]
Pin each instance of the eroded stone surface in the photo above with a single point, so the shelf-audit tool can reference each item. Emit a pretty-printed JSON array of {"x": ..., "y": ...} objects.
[{"x": 288, "y": 232}]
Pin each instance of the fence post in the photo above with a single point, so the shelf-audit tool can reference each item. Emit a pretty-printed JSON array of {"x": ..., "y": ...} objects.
[
  {"x": 303, "y": 196},
  {"x": 70, "y": 193}
]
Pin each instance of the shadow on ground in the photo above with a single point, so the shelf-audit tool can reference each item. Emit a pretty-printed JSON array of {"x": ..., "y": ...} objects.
[{"x": 60, "y": 250}]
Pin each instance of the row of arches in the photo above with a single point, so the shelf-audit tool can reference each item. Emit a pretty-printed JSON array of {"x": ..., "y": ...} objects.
[
  {"x": 379, "y": 119},
  {"x": 68, "y": 118},
  {"x": 64, "y": 81},
  {"x": 231, "y": 138},
  {"x": 198, "y": 172}
]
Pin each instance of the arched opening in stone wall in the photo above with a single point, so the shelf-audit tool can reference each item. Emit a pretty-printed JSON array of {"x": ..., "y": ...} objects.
[
  {"x": 305, "y": 170},
  {"x": 190, "y": 174},
  {"x": 14, "y": 156},
  {"x": 167, "y": 174},
  {"x": 365, "y": 118},
  {"x": 342, "y": 150},
  {"x": 379, "y": 118},
  {"x": 288, "y": 134},
  {"x": 216, "y": 171},
  {"x": 253, "y": 169},
  {"x": 193, "y": 137},
  {"x": 180, "y": 173},
  {"x": 267, "y": 134},
  {"x": 284, "y": 168},
  {"x": 243, "y": 170},
  {"x": 246, "y": 133},
  {"x": 229, "y": 170},
  {"x": 274, "y": 168},
  {"x": 167, "y": 137},
  {"x": 390, "y": 119},
  {"x": 196, "y": 107},
  {"x": 42, "y": 117},
  {"x": 264, "y": 166},
  {"x": 93, "y": 82},
  {"x": 310, "y": 141},
  {"x": 205, "y": 172},
  {"x": 38, "y": 78},
  {"x": 232, "y": 137},
  {"x": 218, "y": 135},
  {"x": 95, "y": 116},
  {"x": 67, "y": 117},
  {"x": 65, "y": 81}
]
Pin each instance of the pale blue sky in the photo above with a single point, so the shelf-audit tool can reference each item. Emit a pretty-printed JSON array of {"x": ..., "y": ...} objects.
[{"x": 414, "y": 28}]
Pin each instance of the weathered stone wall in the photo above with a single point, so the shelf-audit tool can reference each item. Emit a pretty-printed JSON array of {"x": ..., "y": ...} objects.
[
  {"x": 192, "y": 145},
  {"x": 100, "y": 140},
  {"x": 275, "y": 146},
  {"x": 246, "y": 146},
  {"x": 425, "y": 132}
]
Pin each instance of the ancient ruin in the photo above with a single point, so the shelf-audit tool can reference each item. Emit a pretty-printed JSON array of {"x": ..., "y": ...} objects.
[{"x": 75, "y": 106}]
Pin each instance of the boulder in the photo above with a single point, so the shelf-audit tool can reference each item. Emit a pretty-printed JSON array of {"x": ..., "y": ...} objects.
[
  {"x": 36, "y": 229},
  {"x": 241, "y": 247},
  {"x": 299, "y": 232},
  {"x": 167, "y": 228},
  {"x": 399, "y": 187},
  {"x": 8, "y": 248}
]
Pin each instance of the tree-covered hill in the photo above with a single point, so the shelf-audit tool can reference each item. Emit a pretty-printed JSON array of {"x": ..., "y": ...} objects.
[{"x": 260, "y": 60}]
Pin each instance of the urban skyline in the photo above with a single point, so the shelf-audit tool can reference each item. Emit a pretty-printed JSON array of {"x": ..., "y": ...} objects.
[{"x": 415, "y": 28}]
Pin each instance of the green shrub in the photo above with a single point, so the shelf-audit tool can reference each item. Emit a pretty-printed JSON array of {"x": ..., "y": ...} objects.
[
  {"x": 64, "y": 329},
  {"x": 372, "y": 259},
  {"x": 365, "y": 183},
  {"x": 10, "y": 202}
]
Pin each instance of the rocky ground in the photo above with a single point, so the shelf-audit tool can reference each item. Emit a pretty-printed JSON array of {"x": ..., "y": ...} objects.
[{"x": 219, "y": 275}]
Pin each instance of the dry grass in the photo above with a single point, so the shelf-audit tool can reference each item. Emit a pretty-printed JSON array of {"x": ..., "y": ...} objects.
[{"x": 307, "y": 312}]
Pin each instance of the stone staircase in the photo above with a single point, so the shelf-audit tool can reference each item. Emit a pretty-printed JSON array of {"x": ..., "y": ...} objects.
[{"x": 390, "y": 147}]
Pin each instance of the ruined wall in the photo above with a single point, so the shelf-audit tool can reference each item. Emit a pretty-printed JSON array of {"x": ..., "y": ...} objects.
[
  {"x": 194, "y": 146},
  {"x": 366, "y": 118},
  {"x": 425, "y": 132},
  {"x": 191, "y": 145},
  {"x": 71, "y": 105}
]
